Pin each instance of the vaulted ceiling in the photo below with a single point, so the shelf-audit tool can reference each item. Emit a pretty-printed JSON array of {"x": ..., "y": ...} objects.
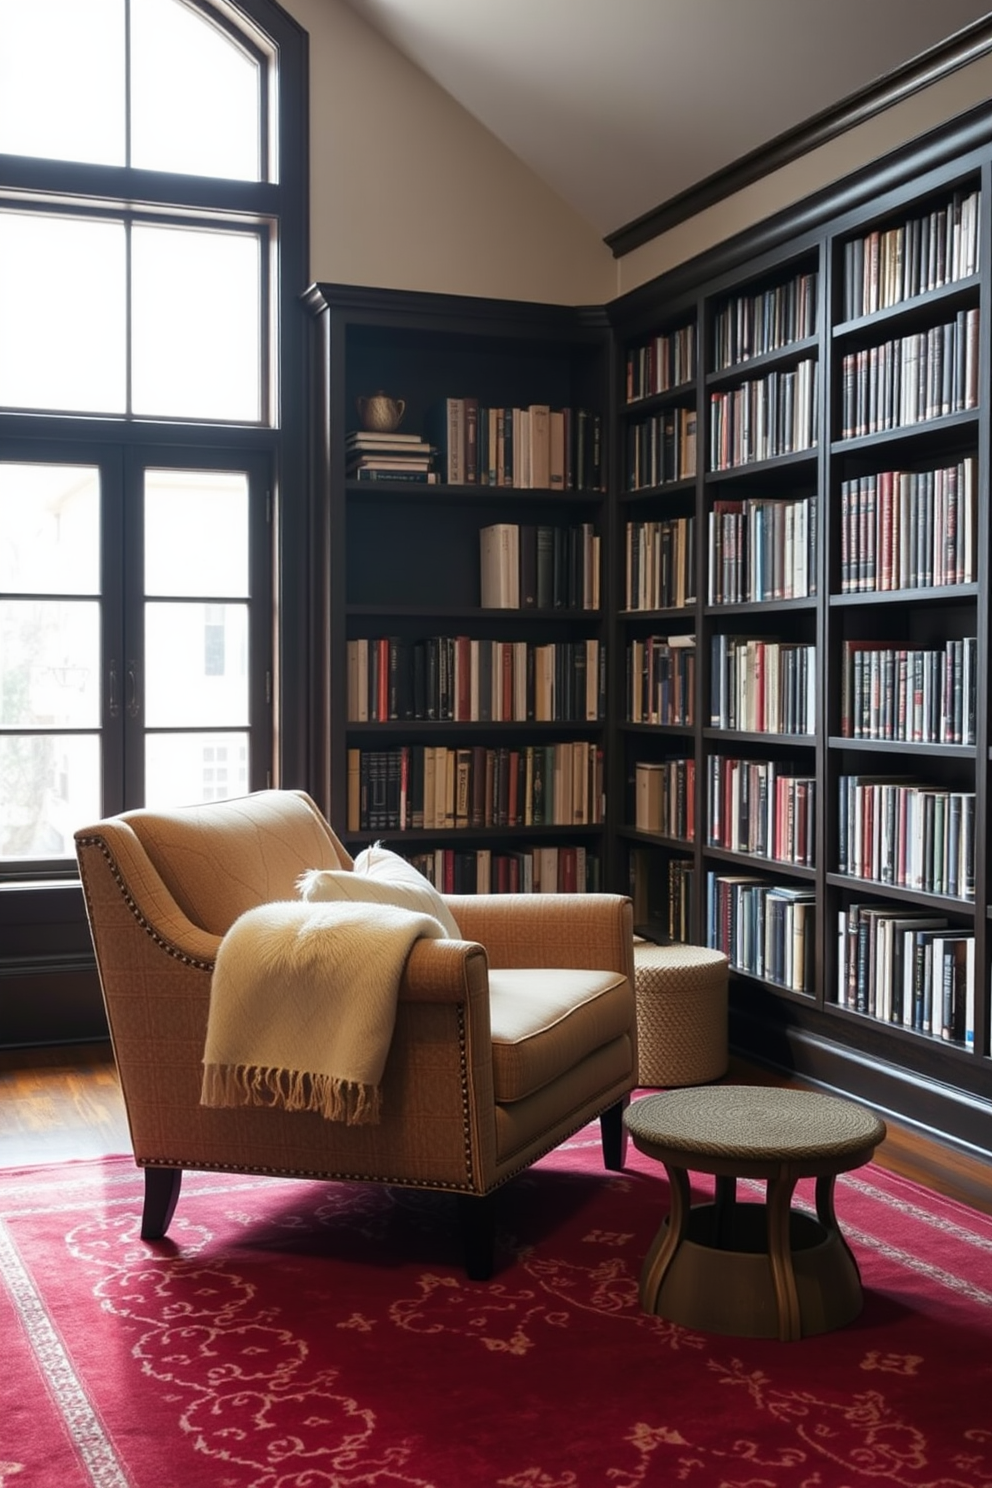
[{"x": 620, "y": 105}]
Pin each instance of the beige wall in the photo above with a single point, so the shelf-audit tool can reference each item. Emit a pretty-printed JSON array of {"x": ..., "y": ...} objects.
[
  {"x": 968, "y": 87},
  {"x": 409, "y": 192}
]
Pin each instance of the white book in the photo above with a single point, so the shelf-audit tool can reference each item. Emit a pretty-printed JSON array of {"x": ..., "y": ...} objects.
[
  {"x": 352, "y": 669},
  {"x": 474, "y": 681},
  {"x": 544, "y": 683},
  {"x": 592, "y": 680},
  {"x": 429, "y": 779},
  {"x": 800, "y": 571},
  {"x": 969, "y": 1003},
  {"x": 362, "y": 682},
  {"x": 648, "y": 795},
  {"x": 483, "y": 870},
  {"x": 499, "y": 561},
  {"x": 519, "y": 681},
  {"x": 842, "y": 958}
]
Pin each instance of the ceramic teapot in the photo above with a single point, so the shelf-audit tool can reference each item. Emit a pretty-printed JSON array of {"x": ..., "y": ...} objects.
[{"x": 380, "y": 413}]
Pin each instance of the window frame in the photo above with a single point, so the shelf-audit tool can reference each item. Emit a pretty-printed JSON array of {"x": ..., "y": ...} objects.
[{"x": 277, "y": 207}]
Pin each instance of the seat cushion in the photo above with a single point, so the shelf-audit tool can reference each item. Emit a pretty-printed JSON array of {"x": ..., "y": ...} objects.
[{"x": 546, "y": 1022}]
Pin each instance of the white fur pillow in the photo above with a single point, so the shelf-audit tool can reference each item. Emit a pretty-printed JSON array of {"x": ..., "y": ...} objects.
[{"x": 380, "y": 877}]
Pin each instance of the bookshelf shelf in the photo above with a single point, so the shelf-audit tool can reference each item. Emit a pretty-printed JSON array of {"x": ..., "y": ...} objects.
[
  {"x": 937, "y": 594},
  {"x": 421, "y": 728},
  {"x": 476, "y": 612},
  {"x": 764, "y": 736},
  {"x": 443, "y": 494},
  {"x": 674, "y": 397},
  {"x": 759, "y": 862},
  {"x": 903, "y": 895},
  {"x": 465, "y": 836},
  {"x": 949, "y": 297},
  {"x": 783, "y": 466},
  {"x": 761, "y": 606},
  {"x": 668, "y": 491},
  {"x": 756, "y": 366},
  {"x": 904, "y": 746},
  {"x": 929, "y": 431}
]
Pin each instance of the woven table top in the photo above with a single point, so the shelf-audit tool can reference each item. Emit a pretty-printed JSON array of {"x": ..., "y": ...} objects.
[
  {"x": 755, "y": 1123},
  {"x": 676, "y": 955}
]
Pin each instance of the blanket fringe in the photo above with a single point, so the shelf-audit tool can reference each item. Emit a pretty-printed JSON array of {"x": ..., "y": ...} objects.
[{"x": 291, "y": 1090}]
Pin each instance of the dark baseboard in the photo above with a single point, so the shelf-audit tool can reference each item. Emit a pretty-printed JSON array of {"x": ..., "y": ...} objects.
[
  {"x": 936, "y": 1111},
  {"x": 51, "y": 1002}
]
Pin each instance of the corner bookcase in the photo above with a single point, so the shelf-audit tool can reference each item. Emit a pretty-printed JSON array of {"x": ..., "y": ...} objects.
[
  {"x": 790, "y": 744},
  {"x": 474, "y": 739},
  {"x": 835, "y": 605}
]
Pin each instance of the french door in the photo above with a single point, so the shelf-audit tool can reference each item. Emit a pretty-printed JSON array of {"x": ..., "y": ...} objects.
[{"x": 135, "y": 635}]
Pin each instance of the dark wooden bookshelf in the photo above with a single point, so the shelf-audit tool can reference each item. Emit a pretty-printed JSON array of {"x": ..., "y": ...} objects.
[
  {"x": 941, "y": 1084},
  {"x": 404, "y": 558}
]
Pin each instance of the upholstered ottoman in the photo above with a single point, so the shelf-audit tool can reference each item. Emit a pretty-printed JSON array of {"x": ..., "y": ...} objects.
[{"x": 681, "y": 1014}]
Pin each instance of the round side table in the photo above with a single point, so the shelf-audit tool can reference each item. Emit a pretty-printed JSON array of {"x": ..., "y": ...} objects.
[{"x": 750, "y": 1269}]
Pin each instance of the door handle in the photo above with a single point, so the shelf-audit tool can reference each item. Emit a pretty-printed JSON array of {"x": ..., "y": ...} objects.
[{"x": 133, "y": 701}]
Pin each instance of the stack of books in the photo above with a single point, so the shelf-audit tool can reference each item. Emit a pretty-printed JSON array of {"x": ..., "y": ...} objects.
[{"x": 374, "y": 456}]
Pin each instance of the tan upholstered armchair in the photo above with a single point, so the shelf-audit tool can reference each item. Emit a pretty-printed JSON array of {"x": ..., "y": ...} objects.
[{"x": 492, "y": 1062}]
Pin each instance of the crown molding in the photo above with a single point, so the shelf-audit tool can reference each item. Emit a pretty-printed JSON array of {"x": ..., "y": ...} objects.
[{"x": 961, "y": 49}]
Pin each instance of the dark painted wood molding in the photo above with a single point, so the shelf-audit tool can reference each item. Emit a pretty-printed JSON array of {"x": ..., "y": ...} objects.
[
  {"x": 964, "y": 47},
  {"x": 949, "y": 142}
]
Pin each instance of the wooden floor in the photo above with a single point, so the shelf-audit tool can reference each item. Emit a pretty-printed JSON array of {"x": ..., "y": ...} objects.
[
  {"x": 60, "y": 1103},
  {"x": 57, "y": 1104}
]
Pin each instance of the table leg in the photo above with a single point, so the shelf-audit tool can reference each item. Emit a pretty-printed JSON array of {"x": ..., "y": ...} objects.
[
  {"x": 668, "y": 1239},
  {"x": 779, "y": 1204},
  {"x": 827, "y": 1215},
  {"x": 725, "y": 1201}
]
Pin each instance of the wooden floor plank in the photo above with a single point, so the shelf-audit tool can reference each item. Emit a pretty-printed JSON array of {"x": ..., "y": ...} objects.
[{"x": 57, "y": 1104}]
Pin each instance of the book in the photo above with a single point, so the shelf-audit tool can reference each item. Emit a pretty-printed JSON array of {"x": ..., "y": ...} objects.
[
  {"x": 445, "y": 426},
  {"x": 499, "y": 553},
  {"x": 649, "y": 796}
]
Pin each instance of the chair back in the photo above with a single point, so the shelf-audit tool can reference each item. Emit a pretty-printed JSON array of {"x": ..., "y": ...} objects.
[{"x": 224, "y": 857}]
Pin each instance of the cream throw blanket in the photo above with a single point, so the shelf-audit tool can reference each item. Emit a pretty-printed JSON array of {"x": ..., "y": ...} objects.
[{"x": 303, "y": 1005}]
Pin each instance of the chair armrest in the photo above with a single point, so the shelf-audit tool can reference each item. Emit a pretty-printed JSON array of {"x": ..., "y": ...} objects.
[
  {"x": 445, "y": 971},
  {"x": 592, "y": 931}
]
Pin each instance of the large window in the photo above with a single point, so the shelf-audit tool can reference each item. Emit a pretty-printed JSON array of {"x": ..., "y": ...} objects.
[{"x": 152, "y": 179}]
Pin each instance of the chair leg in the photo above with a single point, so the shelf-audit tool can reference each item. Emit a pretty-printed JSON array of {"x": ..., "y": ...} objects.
[
  {"x": 477, "y": 1223},
  {"x": 614, "y": 1135},
  {"x": 162, "y": 1187}
]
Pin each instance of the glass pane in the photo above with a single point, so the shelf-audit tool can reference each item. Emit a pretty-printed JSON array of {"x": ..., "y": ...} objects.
[
  {"x": 49, "y": 529},
  {"x": 185, "y": 768},
  {"x": 62, "y": 313},
  {"x": 196, "y": 665},
  {"x": 49, "y": 663},
  {"x": 196, "y": 322},
  {"x": 194, "y": 95},
  {"x": 62, "y": 79},
  {"x": 196, "y": 532},
  {"x": 49, "y": 787}
]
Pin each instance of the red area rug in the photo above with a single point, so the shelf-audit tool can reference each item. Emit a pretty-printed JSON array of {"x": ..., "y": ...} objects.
[{"x": 307, "y": 1335}]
